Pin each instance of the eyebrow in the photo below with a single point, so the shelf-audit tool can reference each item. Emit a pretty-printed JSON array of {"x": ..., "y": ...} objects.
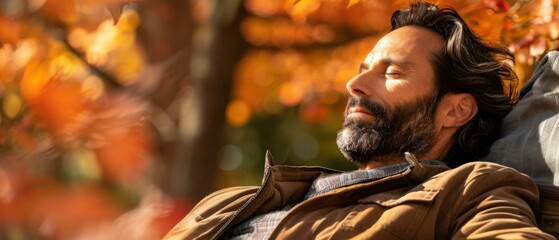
[{"x": 403, "y": 63}]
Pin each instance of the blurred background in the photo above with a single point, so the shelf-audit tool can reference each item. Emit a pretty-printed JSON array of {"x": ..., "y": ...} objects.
[{"x": 117, "y": 116}]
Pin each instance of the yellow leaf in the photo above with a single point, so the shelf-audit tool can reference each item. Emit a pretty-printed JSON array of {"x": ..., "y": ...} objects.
[
  {"x": 12, "y": 105},
  {"x": 352, "y": 2},
  {"x": 82, "y": 164},
  {"x": 302, "y": 8},
  {"x": 35, "y": 77}
]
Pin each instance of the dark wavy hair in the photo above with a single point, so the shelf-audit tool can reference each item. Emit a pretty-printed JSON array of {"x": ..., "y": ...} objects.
[{"x": 467, "y": 65}]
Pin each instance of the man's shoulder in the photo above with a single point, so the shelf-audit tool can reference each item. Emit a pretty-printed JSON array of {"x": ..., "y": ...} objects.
[
  {"x": 487, "y": 174},
  {"x": 223, "y": 201},
  {"x": 482, "y": 167},
  {"x": 229, "y": 195},
  {"x": 473, "y": 182}
]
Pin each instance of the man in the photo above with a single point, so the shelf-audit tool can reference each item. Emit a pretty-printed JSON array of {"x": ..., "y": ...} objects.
[{"x": 429, "y": 94}]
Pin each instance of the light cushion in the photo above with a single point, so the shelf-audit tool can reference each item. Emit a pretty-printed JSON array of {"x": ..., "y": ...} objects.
[{"x": 529, "y": 140}]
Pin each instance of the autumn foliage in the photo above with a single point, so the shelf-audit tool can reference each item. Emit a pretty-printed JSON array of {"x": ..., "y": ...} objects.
[
  {"x": 80, "y": 154},
  {"x": 76, "y": 146}
]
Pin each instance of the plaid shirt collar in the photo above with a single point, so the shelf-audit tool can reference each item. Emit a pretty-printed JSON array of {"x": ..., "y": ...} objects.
[{"x": 328, "y": 182}]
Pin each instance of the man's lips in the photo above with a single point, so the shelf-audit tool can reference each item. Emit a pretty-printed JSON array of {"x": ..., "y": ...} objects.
[{"x": 359, "y": 111}]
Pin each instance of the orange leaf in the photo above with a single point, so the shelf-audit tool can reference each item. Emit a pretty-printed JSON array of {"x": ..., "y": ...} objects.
[
  {"x": 352, "y": 2},
  {"x": 302, "y": 8},
  {"x": 60, "y": 10},
  {"x": 59, "y": 104},
  {"x": 35, "y": 77},
  {"x": 24, "y": 138},
  {"x": 124, "y": 159},
  {"x": 26, "y": 202},
  {"x": 10, "y": 31},
  {"x": 70, "y": 209}
]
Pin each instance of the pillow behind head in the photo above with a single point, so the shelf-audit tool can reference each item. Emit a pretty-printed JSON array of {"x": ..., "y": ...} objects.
[{"x": 529, "y": 140}]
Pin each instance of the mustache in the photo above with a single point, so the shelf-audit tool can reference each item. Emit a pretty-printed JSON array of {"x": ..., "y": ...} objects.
[{"x": 374, "y": 108}]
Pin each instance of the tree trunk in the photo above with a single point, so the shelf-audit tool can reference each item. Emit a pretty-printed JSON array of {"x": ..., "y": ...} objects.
[{"x": 216, "y": 47}]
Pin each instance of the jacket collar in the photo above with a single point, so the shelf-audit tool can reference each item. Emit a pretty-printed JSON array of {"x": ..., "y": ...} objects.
[
  {"x": 417, "y": 171},
  {"x": 283, "y": 185}
]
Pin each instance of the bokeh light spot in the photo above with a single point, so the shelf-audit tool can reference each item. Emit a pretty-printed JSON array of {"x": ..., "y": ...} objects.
[
  {"x": 238, "y": 113},
  {"x": 305, "y": 146},
  {"x": 290, "y": 94},
  {"x": 232, "y": 158}
]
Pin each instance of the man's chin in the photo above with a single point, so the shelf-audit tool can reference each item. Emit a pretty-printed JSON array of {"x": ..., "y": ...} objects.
[
  {"x": 361, "y": 117},
  {"x": 354, "y": 123},
  {"x": 356, "y": 144}
]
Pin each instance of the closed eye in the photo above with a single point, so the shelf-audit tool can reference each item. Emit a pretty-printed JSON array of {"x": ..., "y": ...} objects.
[{"x": 392, "y": 72}]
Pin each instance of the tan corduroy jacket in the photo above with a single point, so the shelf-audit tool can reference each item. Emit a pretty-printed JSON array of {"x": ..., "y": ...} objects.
[{"x": 477, "y": 200}]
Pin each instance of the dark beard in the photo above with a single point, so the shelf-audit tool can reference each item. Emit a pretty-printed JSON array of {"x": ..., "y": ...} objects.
[{"x": 409, "y": 127}]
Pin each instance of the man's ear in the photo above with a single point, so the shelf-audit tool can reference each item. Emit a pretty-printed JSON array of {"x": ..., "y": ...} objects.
[{"x": 457, "y": 109}]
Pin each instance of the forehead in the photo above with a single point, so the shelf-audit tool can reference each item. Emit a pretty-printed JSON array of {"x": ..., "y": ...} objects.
[{"x": 409, "y": 45}]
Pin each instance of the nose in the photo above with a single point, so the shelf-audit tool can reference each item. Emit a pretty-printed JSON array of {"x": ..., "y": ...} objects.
[{"x": 357, "y": 86}]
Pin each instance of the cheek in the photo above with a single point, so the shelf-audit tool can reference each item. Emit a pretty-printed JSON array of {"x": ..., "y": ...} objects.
[
  {"x": 397, "y": 86},
  {"x": 407, "y": 89},
  {"x": 400, "y": 91}
]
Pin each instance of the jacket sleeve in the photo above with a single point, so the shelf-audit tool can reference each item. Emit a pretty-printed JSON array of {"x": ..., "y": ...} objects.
[
  {"x": 499, "y": 203},
  {"x": 210, "y": 213}
]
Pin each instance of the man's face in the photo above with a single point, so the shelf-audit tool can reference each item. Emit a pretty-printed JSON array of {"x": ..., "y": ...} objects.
[{"x": 392, "y": 107}]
